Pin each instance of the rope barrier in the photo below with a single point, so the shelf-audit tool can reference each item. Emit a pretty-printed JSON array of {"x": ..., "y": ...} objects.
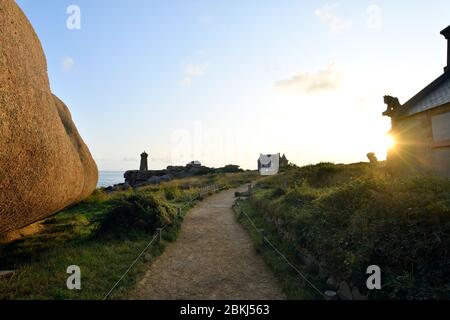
[
  {"x": 132, "y": 265},
  {"x": 294, "y": 267},
  {"x": 251, "y": 221},
  {"x": 281, "y": 254},
  {"x": 158, "y": 234}
]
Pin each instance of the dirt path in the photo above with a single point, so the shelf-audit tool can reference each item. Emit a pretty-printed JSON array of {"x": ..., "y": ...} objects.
[{"x": 213, "y": 258}]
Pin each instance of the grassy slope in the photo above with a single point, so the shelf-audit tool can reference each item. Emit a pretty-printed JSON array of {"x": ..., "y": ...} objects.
[
  {"x": 41, "y": 260},
  {"x": 348, "y": 217}
]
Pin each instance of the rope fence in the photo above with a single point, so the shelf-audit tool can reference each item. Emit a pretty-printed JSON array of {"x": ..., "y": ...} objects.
[
  {"x": 203, "y": 191},
  {"x": 264, "y": 239},
  {"x": 329, "y": 295},
  {"x": 159, "y": 233}
]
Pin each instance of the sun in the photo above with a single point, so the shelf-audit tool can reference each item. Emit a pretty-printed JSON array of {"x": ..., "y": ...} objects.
[
  {"x": 381, "y": 144},
  {"x": 388, "y": 142}
]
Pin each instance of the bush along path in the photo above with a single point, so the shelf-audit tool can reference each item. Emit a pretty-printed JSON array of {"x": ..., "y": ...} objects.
[
  {"x": 213, "y": 258},
  {"x": 101, "y": 238},
  {"x": 105, "y": 236},
  {"x": 338, "y": 220}
]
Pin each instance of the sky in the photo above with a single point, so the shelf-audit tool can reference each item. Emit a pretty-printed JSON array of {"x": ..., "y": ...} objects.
[{"x": 222, "y": 81}]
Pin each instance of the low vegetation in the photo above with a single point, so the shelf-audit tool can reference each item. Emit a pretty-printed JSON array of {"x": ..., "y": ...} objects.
[
  {"x": 103, "y": 235},
  {"x": 135, "y": 214},
  {"x": 292, "y": 284},
  {"x": 348, "y": 217}
]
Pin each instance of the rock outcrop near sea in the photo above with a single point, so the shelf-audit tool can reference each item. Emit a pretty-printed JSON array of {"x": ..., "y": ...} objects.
[{"x": 44, "y": 164}]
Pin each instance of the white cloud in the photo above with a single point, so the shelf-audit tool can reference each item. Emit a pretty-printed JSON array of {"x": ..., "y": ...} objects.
[
  {"x": 326, "y": 79},
  {"x": 327, "y": 14},
  {"x": 192, "y": 71},
  {"x": 67, "y": 63}
]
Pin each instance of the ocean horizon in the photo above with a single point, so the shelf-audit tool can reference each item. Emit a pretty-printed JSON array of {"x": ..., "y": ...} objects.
[{"x": 110, "y": 178}]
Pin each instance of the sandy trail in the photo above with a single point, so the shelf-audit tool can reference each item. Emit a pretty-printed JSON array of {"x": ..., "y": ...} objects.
[{"x": 213, "y": 258}]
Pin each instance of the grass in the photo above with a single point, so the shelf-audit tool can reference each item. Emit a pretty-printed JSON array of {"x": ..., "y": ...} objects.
[
  {"x": 73, "y": 237},
  {"x": 70, "y": 238},
  {"x": 293, "y": 285},
  {"x": 101, "y": 264},
  {"x": 347, "y": 217}
]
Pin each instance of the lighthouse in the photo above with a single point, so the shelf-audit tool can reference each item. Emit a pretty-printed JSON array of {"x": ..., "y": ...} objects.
[{"x": 144, "y": 162}]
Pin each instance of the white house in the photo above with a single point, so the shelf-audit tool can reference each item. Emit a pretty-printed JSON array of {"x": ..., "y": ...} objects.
[{"x": 269, "y": 164}]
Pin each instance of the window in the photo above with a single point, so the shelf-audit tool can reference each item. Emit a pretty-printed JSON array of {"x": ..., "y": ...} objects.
[{"x": 441, "y": 127}]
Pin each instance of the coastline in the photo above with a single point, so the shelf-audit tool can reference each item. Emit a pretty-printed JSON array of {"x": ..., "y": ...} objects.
[{"x": 110, "y": 178}]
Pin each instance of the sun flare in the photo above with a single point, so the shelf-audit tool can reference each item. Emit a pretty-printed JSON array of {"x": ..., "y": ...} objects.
[
  {"x": 382, "y": 144},
  {"x": 388, "y": 142}
]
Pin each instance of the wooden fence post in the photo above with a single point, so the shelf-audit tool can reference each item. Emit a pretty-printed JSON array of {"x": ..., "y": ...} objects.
[
  {"x": 330, "y": 295},
  {"x": 159, "y": 230},
  {"x": 262, "y": 239},
  {"x": 239, "y": 213}
]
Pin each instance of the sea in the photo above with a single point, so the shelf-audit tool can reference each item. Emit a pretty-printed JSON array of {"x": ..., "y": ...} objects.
[{"x": 110, "y": 178}]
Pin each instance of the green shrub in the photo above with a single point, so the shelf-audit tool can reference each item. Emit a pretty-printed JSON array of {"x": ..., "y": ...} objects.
[
  {"x": 350, "y": 217},
  {"x": 98, "y": 196},
  {"x": 278, "y": 192},
  {"x": 135, "y": 214},
  {"x": 172, "y": 193}
]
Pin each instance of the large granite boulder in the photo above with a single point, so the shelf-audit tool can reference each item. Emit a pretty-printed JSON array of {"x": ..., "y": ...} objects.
[{"x": 44, "y": 164}]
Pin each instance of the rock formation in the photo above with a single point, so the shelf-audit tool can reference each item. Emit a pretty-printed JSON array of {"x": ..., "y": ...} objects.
[
  {"x": 372, "y": 158},
  {"x": 45, "y": 165},
  {"x": 137, "y": 178},
  {"x": 140, "y": 178}
]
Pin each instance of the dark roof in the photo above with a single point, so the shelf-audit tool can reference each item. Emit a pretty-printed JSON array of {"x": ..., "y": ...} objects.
[
  {"x": 446, "y": 32},
  {"x": 434, "y": 95}
]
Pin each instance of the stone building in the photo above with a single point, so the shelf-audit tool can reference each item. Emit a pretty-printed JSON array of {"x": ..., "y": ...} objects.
[
  {"x": 194, "y": 164},
  {"x": 284, "y": 162},
  {"x": 144, "y": 162},
  {"x": 421, "y": 127}
]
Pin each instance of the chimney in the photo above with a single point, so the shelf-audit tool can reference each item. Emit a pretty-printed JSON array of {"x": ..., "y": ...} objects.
[{"x": 446, "y": 34}]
